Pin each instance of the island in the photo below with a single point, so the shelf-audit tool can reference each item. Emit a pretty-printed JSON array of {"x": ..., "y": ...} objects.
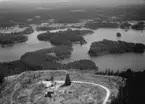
[
  {"x": 44, "y": 28},
  {"x": 47, "y": 58},
  {"x": 45, "y": 36},
  {"x": 125, "y": 25},
  {"x": 65, "y": 37},
  {"x": 28, "y": 30},
  {"x": 100, "y": 24},
  {"x": 138, "y": 26},
  {"x": 50, "y": 59},
  {"x": 108, "y": 46},
  {"x": 82, "y": 65},
  {"x": 8, "y": 39},
  {"x": 118, "y": 34}
]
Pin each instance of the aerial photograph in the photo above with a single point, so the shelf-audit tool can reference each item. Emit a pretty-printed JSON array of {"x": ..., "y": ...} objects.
[{"x": 72, "y": 51}]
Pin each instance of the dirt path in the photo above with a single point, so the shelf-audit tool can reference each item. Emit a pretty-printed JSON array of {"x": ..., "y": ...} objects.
[
  {"x": 104, "y": 87},
  {"x": 107, "y": 90},
  {"x": 58, "y": 81}
]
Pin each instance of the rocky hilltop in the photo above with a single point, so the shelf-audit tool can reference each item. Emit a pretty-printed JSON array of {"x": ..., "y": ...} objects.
[
  {"x": 108, "y": 46},
  {"x": 59, "y": 87}
]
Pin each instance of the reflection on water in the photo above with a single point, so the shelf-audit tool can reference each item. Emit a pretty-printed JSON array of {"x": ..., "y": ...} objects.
[{"x": 115, "y": 61}]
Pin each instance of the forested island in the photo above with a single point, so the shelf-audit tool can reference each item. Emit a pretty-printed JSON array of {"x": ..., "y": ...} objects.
[
  {"x": 65, "y": 37},
  {"x": 138, "y": 26},
  {"x": 44, "y": 28},
  {"x": 134, "y": 26},
  {"x": 45, "y": 59},
  {"x": 111, "y": 47},
  {"x": 95, "y": 25},
  {"x": 8, "y": 39}
]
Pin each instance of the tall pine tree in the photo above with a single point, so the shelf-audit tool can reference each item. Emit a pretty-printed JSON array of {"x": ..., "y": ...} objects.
[
  {"x": 67, "y": 81},
  {"x": 1, "y": 78}
]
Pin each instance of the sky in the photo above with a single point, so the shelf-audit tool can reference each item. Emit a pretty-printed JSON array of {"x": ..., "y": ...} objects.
[{"x": 85, "y": 1}]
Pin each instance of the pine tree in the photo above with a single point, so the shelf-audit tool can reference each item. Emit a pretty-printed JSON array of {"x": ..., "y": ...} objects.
[
  {"x": 52, "y": 78},
  {"x": 1, "y": 78},
  {"x": 67, "y": 81},
  {"x": 52, "y": 81}
]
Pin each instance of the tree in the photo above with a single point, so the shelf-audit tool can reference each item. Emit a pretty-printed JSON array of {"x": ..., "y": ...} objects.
[
  {"x": 67, "y": 81},
  {"x": 1, "y": 78},
  {"x": 52, "y": 78},
  {"x": 118, "y": 34},
  {"x": 139, "y": 48}
]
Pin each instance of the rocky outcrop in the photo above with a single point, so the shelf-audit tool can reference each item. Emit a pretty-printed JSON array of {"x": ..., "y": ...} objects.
[{"x": 109, "y": 46}]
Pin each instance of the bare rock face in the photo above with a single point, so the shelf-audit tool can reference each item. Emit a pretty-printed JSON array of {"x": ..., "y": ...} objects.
[
  {"x": 108, "y": 46},
  {"x": 32, "y": 88}
]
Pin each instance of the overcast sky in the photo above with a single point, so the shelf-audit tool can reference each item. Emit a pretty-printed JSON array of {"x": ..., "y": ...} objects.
[{"x": 85, "y": 1}]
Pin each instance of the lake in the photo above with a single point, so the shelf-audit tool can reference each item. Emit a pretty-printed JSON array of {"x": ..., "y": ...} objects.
[{"x": 114, "y": 62}]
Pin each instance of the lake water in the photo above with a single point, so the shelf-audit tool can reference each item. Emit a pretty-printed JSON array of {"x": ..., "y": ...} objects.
[
  {"x": 114, "y": 62},
  {"x": 15, "y": 52}
]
